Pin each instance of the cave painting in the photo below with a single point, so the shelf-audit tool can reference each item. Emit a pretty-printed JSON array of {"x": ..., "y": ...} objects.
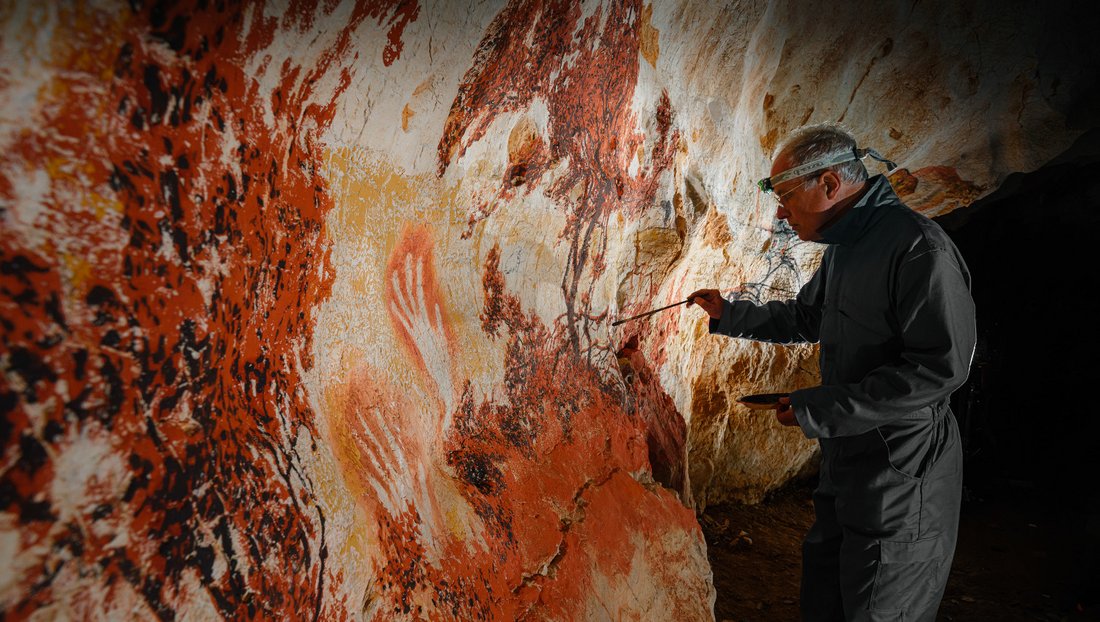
[
  {"x": 416, "y": 312},
  {"x": 481, "y": 502}
]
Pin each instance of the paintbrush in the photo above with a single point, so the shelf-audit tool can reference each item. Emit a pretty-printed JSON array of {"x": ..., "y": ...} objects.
[{"x": 650, "y": 312}]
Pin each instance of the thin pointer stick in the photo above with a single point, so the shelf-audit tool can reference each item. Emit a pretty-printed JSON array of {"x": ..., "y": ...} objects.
[{"x": 651, "y": 312}]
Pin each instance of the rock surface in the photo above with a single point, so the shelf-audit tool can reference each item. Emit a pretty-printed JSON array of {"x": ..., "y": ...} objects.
[{"x": 306, "y": 308}]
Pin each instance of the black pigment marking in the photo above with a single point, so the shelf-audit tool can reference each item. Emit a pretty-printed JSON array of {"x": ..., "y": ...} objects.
[
  {"x": 53, "y": 310},
  {"x": 31, "y": 511},
  {"x": 478, "y": 470},
  {"x": 170, "y": 192},
  {"x": 210, "y": 81},
  {"x": 231, "y": 184},
  {"x": 204, "y": 557},
  {"x": 168, "y": 403},
  {"x": 157, "y": 95},
  {"x": 32, "y": 455},
  {"x": 20, "y": 266},
  {"x": 137, "y": 236},
  {"x": 100, "y": 295},
  {"x": 175, "y": 35},
  {"x": 322, "y": 556},
  {"x": 8, "y": 401},
  {"x": 123, "y": 60},
  {"x": 8, "y": 494},
  {"x": 52, "y": 431},
  {"x": 146, "y": 586},
  {"x": 111, "y": 339},
  {"x": 103, "y": 318},
  {"x": 153, "y": 434},
  {"x": 103, "y": 510},
  {"x": 27, "y": 298},
  {"x": 184, "y": 112},
  {"x": 70, "y": 539},
  {"x": 179, "y": 240},
  {"x": 29, "y": 366},
  {"x": 521, "y": 430},
  {"x": 158, "y": 13},
  {"x": 137, "y": 483},
  {"x": 116, "y": 393},
  {"x": 80, "y": 361}
]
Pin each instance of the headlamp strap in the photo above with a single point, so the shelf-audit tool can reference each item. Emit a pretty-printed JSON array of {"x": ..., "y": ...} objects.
[
  {"x": 831, "y": 160},
  {"x": 862, "y": 153}
]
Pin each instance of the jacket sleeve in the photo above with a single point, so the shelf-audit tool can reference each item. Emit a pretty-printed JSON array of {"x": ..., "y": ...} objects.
[
  {"x": 935, "y": 315},
  {"x": 790, "y": 321}
]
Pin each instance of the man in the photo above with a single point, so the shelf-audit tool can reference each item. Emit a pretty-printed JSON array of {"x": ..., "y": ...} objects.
[{"x": 891, "y": 308}]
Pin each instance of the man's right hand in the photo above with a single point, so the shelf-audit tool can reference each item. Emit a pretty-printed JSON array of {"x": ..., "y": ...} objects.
[{"x": 709, "y": 300}]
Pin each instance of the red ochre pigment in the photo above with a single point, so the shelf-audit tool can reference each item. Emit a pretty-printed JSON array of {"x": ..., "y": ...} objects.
[
  {"x": 194, "y": 392},
  {"x": 413, "y": 257}
]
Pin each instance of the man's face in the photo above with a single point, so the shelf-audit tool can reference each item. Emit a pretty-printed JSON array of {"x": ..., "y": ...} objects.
[{"x": 806, "y": 210}]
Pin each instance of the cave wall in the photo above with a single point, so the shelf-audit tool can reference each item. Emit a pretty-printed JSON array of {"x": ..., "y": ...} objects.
[{"x": 305, "y": 306}]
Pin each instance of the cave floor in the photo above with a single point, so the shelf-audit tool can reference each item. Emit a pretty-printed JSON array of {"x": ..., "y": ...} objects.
[{"x": 1013, "y": 561}]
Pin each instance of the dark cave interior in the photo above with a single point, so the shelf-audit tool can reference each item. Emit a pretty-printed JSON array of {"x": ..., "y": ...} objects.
[{"x": 1029, "y": 422}]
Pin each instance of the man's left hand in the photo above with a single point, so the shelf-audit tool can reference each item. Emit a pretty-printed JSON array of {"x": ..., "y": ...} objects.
[{"x": 784, "y": 412}]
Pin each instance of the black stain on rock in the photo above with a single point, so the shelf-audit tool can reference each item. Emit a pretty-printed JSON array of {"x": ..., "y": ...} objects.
[{"x": 478, "y": 470}]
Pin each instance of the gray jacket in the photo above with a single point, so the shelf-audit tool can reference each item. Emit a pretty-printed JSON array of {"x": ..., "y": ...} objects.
[{"x": 890, "y": 305}]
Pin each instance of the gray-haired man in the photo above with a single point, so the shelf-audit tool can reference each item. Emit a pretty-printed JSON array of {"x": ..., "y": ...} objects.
[{"x": 891, "y": 307}]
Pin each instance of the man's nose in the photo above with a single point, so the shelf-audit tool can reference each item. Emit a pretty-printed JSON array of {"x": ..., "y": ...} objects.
[{"x": 781, "y": 212}]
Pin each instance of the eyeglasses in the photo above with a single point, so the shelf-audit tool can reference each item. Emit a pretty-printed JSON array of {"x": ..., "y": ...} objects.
[{"x": 778, "y": 197}]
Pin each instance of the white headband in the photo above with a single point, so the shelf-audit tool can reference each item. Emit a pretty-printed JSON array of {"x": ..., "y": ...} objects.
[{"x": 768, "y": 183}]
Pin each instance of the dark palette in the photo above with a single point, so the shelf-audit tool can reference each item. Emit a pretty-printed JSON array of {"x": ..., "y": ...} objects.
[{"x": 762, "y": 400}]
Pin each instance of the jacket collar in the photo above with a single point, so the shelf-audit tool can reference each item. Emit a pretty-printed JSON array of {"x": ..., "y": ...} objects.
[{"x": 851, "y": 226}]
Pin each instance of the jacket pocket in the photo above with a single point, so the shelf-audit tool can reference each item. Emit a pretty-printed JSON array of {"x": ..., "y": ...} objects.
[{"x": 910, "y": 446}]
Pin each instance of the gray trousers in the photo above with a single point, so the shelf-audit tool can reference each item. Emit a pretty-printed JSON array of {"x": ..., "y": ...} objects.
[{"x": 887, "y": 515}]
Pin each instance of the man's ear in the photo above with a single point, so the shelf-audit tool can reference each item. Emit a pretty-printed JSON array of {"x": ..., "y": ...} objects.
[{"x": 832, "y": 184}]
